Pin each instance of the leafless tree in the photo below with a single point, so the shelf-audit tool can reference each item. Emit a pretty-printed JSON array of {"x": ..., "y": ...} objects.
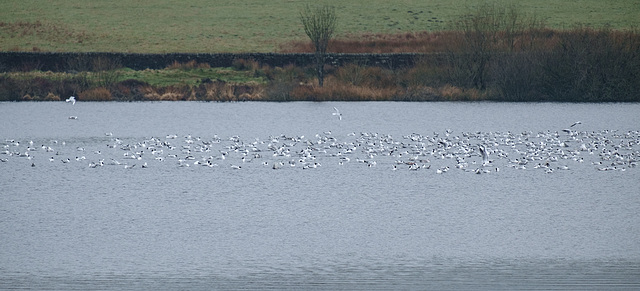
[{"x": 320, "y": 25}]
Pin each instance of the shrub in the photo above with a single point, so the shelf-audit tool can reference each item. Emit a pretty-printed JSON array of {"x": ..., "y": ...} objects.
[
  {"x": 9, "y": 89},
  {"x": 221, "y": 91},
  {"x": 95, "y": 94},
  {"x": 366, "y": 76},
  {"x": 593, "y": 65},
  {"x": 129, "y": 90},
  {"x": 334, "y": 89},
  {"x": 52, "y": 97},
  {"x": 105, "y": 64},
  {"x": 352, "y": 74},
  {"x": 279, "y": 91},
  {"x": 517, "y": 77},
  {"x": 188, "y": 65},
  {"x": 245, "y": 65},
  {"x": 418, "y": 93},
  {"x": 489, "y": 29},
  {"x": 170, "y": 93}
]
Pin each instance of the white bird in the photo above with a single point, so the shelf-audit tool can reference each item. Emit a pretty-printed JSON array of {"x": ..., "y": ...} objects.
[
  {"x": 485, "y": 156},
  {"x": 73, "y": 117},
  {"x": 337, "y": 113},
  {"x": 72, "y": 100}
]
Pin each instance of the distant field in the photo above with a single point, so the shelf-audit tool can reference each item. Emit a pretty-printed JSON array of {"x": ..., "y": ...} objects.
[{"x": 252, "y": 25}]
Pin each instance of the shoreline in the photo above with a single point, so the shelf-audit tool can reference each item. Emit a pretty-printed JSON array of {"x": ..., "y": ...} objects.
[{"x": 535, "y": 65}]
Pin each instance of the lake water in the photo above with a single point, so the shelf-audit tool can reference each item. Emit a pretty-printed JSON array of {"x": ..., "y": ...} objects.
[{"x": 200, "y": 196}]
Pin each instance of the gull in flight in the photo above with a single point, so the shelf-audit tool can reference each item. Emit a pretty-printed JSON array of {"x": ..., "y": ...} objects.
[
  {"x": 72, "y": 100},
  {"x": 485, "y": 156},
  {"x": 568, "y": 130},
  {"x": 337, "y": 113}
]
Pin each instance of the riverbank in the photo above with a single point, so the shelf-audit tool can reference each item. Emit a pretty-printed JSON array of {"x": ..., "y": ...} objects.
[
  {"x": 526, "y": 64},
  {"x": 490, "y": 52}
]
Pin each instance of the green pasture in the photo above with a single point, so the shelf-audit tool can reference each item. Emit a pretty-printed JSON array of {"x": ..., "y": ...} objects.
[{"x": 158, "y": 26}]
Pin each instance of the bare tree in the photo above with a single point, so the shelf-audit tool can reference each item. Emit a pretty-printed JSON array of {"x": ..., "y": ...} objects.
[
  {"x": 319, "y": 24},
  {"x": 486, "y": 31}
]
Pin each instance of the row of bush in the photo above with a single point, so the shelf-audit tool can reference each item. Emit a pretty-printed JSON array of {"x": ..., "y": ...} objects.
[
  {"x": 532, "y": 64},
  {"x": 498, "y": 53},
  {"x": 582, "y": 64}
]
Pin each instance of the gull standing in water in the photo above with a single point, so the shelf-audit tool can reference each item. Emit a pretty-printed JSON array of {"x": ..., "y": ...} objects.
[
  {"x": 72, "y": 100},
  {"x": 337, "y": 113}
]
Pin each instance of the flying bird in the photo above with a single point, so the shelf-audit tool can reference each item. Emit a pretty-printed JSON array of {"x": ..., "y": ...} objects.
[
  {"x": 337, "y": 113},
  {"x": 72, "y": 100},
  {"x": 576, "y": 123},
  {"x": 485, "y": 156}
]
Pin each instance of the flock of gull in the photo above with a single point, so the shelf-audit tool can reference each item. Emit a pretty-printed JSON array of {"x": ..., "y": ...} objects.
[{"x": 472, "y": 152}]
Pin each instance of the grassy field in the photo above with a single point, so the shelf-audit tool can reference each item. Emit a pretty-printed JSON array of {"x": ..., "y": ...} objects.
[{"x": 253, "y": 25}]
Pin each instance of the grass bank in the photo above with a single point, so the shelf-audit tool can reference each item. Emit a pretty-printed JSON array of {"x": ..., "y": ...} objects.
[
  {"x": 494, "y": 52},
  {"x": 254, "y": 25},
  {"x": 578, "y": 65},
  {"x": 110, "y": 81}
]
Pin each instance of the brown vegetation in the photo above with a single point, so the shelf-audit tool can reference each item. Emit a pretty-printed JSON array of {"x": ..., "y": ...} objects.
[
  {"x": 95, "y": 94},
  {"x": 532, "y": 64},
  {"x": 409, "y": 42},
  {"x": 188, "y": 65},
  {"x": 493, "y": 55}
]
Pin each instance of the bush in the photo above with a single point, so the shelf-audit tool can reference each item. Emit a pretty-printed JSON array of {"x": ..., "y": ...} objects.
[
  {"x": 129, "y": 90},
  {"x": 517, "y": 77},
  {"x": 279, "y": 91},
  {"x": 52, "y": 97},
  {"x": 9, "y": 89},
  {"x": 489, "y": 29},
  {"x": 594, "y": 65},
  {"x": 245, "y": 65},
  {"x": 95, "y": 94},
  {"x": 335, "y": 90},
  {"x": 188, "y": 65}
]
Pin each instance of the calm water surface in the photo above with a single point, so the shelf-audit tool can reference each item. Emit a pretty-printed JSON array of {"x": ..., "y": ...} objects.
[{"x": 190, "y": 220}]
